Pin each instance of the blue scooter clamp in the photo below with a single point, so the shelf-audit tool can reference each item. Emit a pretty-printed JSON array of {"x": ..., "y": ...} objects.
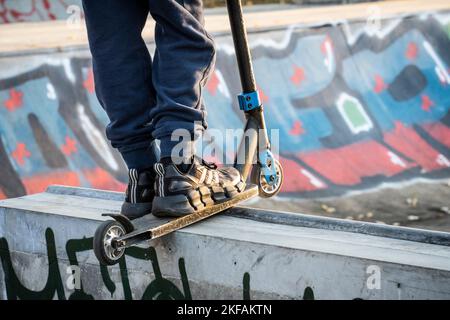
[{"x": 249, "y": 101}]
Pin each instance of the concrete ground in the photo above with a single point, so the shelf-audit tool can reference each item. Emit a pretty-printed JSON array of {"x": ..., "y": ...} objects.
[{"x": 419, "y": 205}]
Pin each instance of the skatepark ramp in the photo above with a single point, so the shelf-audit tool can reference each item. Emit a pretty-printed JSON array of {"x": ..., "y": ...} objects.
[
  {"x": 360, "y": 96},
  {"x": 46, "y": 252}
]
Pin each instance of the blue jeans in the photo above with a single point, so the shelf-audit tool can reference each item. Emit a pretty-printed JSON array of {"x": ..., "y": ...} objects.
[{"x": 145, "y": 99}]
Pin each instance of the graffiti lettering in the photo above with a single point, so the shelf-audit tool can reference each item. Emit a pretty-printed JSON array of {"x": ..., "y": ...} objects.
[{"x": 160, "y": 288}]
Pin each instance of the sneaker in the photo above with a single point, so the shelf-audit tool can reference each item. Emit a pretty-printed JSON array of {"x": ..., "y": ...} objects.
[
  {"x": 139, "y": 194},
  {"x": 202, "y": 184}
]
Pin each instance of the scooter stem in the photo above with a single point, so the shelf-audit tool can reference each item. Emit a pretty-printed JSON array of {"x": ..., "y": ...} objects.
[
  {"x": 255, "y": 138},
  {"x": 243, "y": 56}
]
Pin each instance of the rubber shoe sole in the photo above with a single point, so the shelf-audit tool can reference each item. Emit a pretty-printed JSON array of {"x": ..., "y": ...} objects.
[{"x": 195, "y": 201}]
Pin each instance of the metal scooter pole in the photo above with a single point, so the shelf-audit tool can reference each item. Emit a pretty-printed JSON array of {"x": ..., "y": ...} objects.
[
  {"x": 249, "y": 99},
  {"x": 241, "y": 45}
]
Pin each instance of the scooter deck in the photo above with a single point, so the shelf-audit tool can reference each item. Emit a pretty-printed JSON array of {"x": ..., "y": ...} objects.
[{"x": 150, "y": 227}]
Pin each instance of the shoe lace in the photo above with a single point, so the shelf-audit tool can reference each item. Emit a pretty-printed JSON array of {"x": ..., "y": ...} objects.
[{"x": 210, "y": 165}]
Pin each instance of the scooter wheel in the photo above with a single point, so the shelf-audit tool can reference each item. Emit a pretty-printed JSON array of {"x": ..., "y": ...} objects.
[
  {"x": 267, "y": 190},
  {"x": 104, "y": 246}
]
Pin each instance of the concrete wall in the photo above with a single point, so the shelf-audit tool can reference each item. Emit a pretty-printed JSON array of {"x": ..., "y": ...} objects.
[
  {"x": 224, "y": 257},
  {"x": 356, "y": 105}
]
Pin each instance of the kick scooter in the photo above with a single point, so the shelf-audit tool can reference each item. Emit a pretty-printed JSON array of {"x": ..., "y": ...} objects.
[{"x": 253, "y": 159}]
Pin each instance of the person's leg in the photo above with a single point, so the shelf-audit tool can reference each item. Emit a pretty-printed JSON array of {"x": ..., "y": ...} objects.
[
  {"x": 184, "y": 57},
  {"x": 123, "y": 83},
  {"x": 123, "y": 75}
]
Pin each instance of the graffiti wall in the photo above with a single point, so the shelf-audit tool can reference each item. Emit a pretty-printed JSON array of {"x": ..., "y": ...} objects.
[
  {"x": 355, "y": 107},
  {"x": 52, "y": 128}
]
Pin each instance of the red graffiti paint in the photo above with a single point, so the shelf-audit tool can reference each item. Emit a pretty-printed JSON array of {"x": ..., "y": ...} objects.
[
  {"x": 20, "y": 153},
  {"x": 406, "y": 141},
  {"x": 38, "y": 8},
  {"x": 439, "y": 132},
  {"x": 297, "y": 129},
  {"x": 101, "y": 179},
  {"x": 380, "y": 86},
  {"x": 325, "y": 43},
  {"x": 411, "y": 51},
  {"x": 17, "y": 16},
  {"x": 213, "y": 84},
  {"x": 299, "y": 76},
  {"x": 298, "y": 179},
  {"x": 47, "y": 7},
  {"x": 262, "y": 95},
  {"x": 40, "y": 182},
  {"x": 89, "y": 83},
  {"x": 15, "y": 100},
  {"x": 69, "y": 147},
  {"x": 349, "y": 164},
  {"x": 3, "y": 12},
  {"x": 427, "y": 103}
]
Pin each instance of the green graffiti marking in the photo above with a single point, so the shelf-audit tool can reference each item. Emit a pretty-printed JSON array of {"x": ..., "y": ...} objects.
[
  {"x": 246, "y": 285},
  {"x": 308, "y": 294},
  {"x": 159, "y": 288},
  {"x": 354, "y": 114},
  {"x": 15, "y": 289},
  {"x": 72, "y": 247}
]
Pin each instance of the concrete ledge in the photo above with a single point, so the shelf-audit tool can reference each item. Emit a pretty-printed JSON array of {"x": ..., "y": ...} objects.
[
  {"x": 325, "y": 223},
  {"x": 293, "y": 219},
  {"x": 222, "y": 257}
]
